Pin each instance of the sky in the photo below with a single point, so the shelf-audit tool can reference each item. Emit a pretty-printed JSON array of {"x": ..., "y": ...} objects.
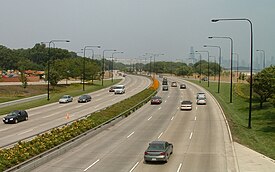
[{"x": 137, "y": 27}]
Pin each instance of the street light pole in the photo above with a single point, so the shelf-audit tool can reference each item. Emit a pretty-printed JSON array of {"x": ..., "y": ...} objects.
[
  {"x": 231, "y": 62},
  {"x": 49, "y": 58},
  {"x": 264, "y": 57},
  {"x": 220, "y": 52},
  {"x": 200, "y": 66},
  {"x": 113, "y": 64},
  {"x": 207, "y": 66},
  {"x": 214, "y": 67},
  {"x": 237, "y": 66},
  {"x": 103, "y": 68},
  {"x": 84, "y": 73},
  {"x": 251, "y": 60}
]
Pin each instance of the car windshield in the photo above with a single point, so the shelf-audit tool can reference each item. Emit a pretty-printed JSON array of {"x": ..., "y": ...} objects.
[
  {"x": 156, "y": 147},
  {"x": 155, "y": 97},
  {"x": 119, "y": 87},
  {"x": 83, "y": 97},
  {"x": 186, "y": 102},
  {"x": 66, "y": 96},
  {"x": 12, "y": 114}
]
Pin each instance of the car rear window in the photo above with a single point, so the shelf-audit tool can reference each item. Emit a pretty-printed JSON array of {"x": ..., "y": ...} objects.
[{"x": 156, "y": 147}]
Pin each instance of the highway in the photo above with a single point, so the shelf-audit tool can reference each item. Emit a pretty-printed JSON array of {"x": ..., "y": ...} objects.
[
  {"x": 200, "y": 137},
  {"x": 55, "y": 114}
]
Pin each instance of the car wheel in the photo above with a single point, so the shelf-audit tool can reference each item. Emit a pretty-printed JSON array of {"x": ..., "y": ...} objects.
[
  {"x": 15, "y": 121},
  {"x": 26, "y": 119}
]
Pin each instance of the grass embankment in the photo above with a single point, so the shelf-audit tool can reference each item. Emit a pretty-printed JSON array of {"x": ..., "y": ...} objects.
[
  {"x": 261, "y": 137},
  {"x": 23, "y": 151},
  {"x": 8, "y": 93}
]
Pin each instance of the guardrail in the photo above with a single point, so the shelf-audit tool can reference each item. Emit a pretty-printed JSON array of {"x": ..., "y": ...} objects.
[{"x": 72, "y": 142}]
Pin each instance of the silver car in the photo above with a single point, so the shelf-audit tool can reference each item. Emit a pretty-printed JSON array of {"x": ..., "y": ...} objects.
[
  {"x": 66, "y": 99},
  {"x": 158, "y": 151},
  {"x": 201, "y": 101}
]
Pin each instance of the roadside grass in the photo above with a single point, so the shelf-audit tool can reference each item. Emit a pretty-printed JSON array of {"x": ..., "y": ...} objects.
[
  {"x": 71, "y": 89},
  {"x": 261, "y": 137}
]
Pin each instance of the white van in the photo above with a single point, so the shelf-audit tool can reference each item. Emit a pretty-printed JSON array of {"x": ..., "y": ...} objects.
[{"x": 119, "y": 89}]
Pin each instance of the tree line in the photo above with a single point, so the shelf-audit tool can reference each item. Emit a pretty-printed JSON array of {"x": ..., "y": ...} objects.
[{"x": 67, "y": 65}]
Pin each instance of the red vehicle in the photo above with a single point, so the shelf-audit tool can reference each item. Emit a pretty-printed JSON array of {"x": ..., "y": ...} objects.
[{"x": 156, "y": 100}]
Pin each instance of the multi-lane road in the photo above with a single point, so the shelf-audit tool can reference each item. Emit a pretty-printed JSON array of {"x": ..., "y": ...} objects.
[
  {"x": 200, "y": 137},
  {"x": 49, "y": 116}
]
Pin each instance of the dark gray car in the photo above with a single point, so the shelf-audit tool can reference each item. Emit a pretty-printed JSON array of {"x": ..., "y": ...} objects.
[
  {"x": 158, "y": 151},
  {"x": 84, "y": 98},
  {"x": 16, "y": 116}
]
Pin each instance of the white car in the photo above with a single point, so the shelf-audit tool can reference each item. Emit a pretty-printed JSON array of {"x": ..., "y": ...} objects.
[
  {"x": 186, "y": 105},
  {"x": 201, "y": 101},
  {"x": 119, "y": 89}
]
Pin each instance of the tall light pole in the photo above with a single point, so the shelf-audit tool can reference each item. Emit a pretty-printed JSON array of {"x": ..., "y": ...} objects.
[
  {"x": 237, "y": 66},
  {"x": 264, "y": 57},
  {"x": 200, "y": 66},
  {"x": 83, "y": 72},
  {"x": 251, "y": 60},
  {"x": 231, "y": 62},
  {"x": 49, "y": 58},
  {"x": 207, "y": 65},
  {"x": 103, "y": 65},
  {"x": 214, "y": 57},
  {"x": 113, "y": 64},
  {"x": 220, "y": 52}
]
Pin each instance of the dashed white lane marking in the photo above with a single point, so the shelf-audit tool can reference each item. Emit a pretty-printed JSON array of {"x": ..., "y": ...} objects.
[
  {"x": 25, "y": 131},
  {"x": 160, "y": 135},
  {"x": 195, "y": 118},
  {"x": 49, "y": 115},
  {"x": 172, "y": 118},
  {"x": 132, "y": 169},
  {"x": 178, "y": 170},
  {"x": 4, "y": 129},
  {"x": 150, "y": 118},
  {"x": 190, "y": 135},
  {"x": 159, "y": 108},
  {"x": 91, "y": 165},
  {"x": 130, "y": 134}
]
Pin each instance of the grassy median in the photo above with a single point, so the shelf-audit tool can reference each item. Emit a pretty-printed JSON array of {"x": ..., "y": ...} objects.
[{"x": 261, "y": 137}]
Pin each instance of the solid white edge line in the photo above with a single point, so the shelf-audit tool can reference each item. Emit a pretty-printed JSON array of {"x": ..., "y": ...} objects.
[
  {"x": 132, "y": 169},
  {"x": 191, "y": 134},
  {"x": 160, "y": 135},
  {"x": 179, "y": 167},
  {"x": 91, "y": 165},
  {"x": 130, "y": 134},
  {"x": 149, "y": 118}
]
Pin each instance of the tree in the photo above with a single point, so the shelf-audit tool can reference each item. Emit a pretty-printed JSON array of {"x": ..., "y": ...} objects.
[{"x": 263, "y": 84}]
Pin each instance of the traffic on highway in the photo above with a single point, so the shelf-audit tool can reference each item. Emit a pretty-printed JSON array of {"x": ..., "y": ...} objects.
[
  {"x": 43, "y": 118},
  {"x": 199, "y": 139}
]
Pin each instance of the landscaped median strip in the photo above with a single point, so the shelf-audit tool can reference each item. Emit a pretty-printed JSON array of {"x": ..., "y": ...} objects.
[{"x": 26, "y": 150}]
